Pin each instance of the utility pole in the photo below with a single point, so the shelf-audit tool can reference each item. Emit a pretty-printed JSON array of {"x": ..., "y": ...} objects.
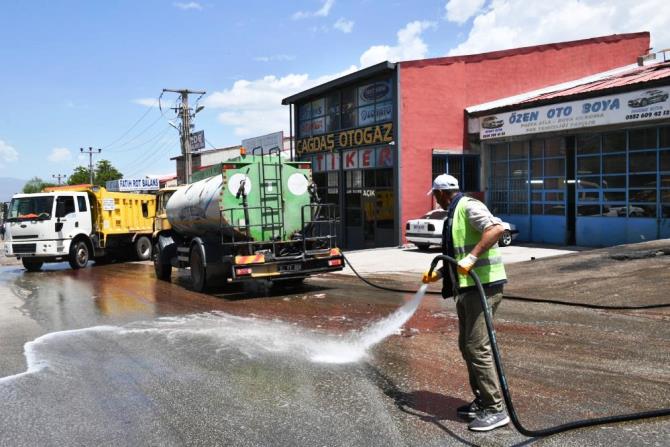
[
  {"x": 90, "y": 153},
  {"x": 59, "y": 176},
  {"x": 185, "y": 114}
]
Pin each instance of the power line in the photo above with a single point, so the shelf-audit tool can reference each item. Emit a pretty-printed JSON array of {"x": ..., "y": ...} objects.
[
  {"x": 153, "y": 138},
  {"x": 150, "y": 157},
  {"x": 133, "y": 139},
  {"x": 130, "y": 129}
]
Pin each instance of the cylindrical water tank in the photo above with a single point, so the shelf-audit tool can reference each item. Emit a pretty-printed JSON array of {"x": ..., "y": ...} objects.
[{"x": 194, "y": 209}]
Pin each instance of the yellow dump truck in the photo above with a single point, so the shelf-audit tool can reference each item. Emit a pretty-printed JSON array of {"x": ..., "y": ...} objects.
[{"x": 78, "y": 223}]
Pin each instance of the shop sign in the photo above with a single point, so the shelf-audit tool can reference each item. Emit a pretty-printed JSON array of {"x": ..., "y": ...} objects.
[
  {"x": 640, "y": 105},
  {"x": 363, "y": 136},
  {"x": 373, "y": 114},
  {"x": 375, "y": 92},
  {"x": 367, "y": 158},
  {"x": 133, "y": 184},
  {"x": 328, "y": 161}
]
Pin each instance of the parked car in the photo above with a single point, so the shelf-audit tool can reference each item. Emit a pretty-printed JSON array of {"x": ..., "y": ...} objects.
[
  {"x": 650, "y": 96},
  {"x": 427, "y": 230}
]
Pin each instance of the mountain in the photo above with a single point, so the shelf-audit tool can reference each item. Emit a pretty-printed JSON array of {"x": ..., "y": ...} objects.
[{"x": 10, "y": 186}]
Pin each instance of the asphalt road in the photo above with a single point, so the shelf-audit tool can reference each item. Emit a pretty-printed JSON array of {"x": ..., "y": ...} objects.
[{"x": 109, "y": 356}]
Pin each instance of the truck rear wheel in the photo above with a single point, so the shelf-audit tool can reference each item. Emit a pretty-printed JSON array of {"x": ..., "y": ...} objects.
[
  {"x": 198, "y": 270},
  {"x": 163, "y": 270},
  {"x": 32, "y": 265},
  {"x": 79, "y": 255},
  {"x": 143, "y": 248}
]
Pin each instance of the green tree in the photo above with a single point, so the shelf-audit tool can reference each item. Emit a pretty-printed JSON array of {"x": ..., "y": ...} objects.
[
  {"x": 79, "y": 176},
  {"x": 105, "y": 172},
  {"x": 34, "y": 185}
]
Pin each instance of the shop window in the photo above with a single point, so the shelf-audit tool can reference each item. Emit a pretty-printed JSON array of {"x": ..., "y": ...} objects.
[
  {"x": 499, "y": 152},
  {"x": 664, "y": 137},
  {"x": 642, "y": 180},
  {"x": 332, "y": 122},
  {"x": 614, "y": 164},
  {"x": 554, "y": 147},
  {"x": 333, "y": 182},
  {"x": 642, "y": 210},
  {"x": 589, "y": 182},
  {"x": 384, "y": 178},
  {"x": 465, "y": 168},
  {"x": 640, "y": 139},
  {"x": 643, "y": 162},
  {"x": 518, "y": 150},
  {"x": 537, "y": 148},
  {"x": 614, "y": 142},
  {"x": 614, "y": 196},
  {"x": 664, "y": 157},
  {"x": 554, "y": 167},
  {"x": 588, "y": 144},
  {"x": 614, "y": 181},
  {"x": 588, "y": 165}
]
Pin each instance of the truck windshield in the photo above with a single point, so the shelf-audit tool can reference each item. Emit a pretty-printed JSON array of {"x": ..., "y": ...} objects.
[{"x": 31, "y": 208}]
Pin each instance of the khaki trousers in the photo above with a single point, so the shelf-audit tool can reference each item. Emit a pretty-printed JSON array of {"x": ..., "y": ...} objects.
[{"x": 475, "y": 346}]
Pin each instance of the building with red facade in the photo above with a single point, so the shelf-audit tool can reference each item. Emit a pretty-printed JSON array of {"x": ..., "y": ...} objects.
[{"x": 378, "y": 136}]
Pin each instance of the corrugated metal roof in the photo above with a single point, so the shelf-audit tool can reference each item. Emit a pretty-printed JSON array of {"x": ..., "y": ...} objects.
[{"x": 617, "y": 78}]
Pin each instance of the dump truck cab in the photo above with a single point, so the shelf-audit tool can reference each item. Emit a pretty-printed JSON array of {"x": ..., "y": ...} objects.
[{"x": 42, "y": 227}]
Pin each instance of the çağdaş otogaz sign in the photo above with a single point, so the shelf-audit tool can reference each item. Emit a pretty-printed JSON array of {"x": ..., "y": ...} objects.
[
  {"x": 363, "y": 136},
  {"x": 641, "y": 105}
]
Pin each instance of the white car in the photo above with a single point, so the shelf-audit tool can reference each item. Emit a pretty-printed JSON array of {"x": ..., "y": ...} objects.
[{"x": 427, "y": 230}]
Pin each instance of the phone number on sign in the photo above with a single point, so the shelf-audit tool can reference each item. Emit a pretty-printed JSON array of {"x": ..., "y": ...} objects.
[{"x": 637, "y": 116}]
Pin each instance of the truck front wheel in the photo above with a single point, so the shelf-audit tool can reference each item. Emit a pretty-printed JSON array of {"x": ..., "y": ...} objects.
[
  {"x": 143, "y": 248},
  {"x": 32, "y": 265},
  {"x": 163, "y": 270},
  {"x": 198, "y": 270},
  {"x": 79, "y": 255}
]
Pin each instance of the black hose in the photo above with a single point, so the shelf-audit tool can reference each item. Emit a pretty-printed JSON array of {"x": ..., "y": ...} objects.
[
  {"x": 516, "y": 297},
  {"x": 505, "y": 388}
]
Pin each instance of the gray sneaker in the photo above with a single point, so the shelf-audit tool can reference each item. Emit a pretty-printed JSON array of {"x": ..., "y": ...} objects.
[
  {"x": 469, "y": 411},
  {"x": 488, "y": 420}
]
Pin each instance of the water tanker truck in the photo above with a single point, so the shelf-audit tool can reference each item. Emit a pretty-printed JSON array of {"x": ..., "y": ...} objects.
[{"x": 250, "y": 218}]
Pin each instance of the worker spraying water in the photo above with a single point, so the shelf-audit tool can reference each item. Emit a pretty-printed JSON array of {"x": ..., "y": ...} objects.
[{"x": 470, "y": 236}]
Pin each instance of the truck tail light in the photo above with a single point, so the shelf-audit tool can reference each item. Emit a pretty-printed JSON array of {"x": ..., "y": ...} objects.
[
  {"x": 334, "y": 262},
  {"x": 243, "y": 271}
]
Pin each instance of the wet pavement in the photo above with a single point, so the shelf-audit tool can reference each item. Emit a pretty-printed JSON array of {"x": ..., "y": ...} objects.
[{"x": 110, "y": 356}]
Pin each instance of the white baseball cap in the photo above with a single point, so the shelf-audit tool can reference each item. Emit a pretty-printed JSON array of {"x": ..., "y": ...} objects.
[{"x": 445, "y": 182}]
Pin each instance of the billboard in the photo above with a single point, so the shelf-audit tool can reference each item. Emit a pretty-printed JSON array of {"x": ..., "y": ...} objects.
[
  {"x": 266, "y": 142},
  {"x": 641, "y": 105}
]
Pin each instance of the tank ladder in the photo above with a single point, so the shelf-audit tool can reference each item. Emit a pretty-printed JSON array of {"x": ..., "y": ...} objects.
[{"x": 271, "y": 195}]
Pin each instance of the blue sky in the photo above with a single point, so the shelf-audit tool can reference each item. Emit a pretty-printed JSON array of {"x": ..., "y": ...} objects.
[{"x": 81, "y": 73}]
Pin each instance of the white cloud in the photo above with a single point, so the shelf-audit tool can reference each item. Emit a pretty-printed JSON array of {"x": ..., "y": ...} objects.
[
  {"x": 344, "y": 25},
  {"x": 254, "y": 107},
  {"x": 147, "y": 102},
  {"x": 409, "y": 46},
  {"x": 504, "y": 24},
  {"x": 460, "y": 11},
  {"x": 7, "y": 152},
  {"x": 275, "y": 57},
  {"x": 187, "y": 6},
  {"x": 322, "y": 12},
  {"x": 59, "y": 154}
]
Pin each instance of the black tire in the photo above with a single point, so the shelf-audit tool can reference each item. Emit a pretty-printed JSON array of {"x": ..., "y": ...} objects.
[
  {"x": 79, "y": 255},
  {"x": 163, "y": 270},
  {"x": 143, "y": 248},
  {"x": 505, "y": 239},
  {"x": 198, "y": 270},
  {"x": 422, "y": 247},
  {"x": 32, "y": 265}
]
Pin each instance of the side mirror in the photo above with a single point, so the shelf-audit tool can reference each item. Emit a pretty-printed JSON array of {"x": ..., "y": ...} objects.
[
  {"x": 59, "y": 227},
  {"x": 60, "y": 210}
]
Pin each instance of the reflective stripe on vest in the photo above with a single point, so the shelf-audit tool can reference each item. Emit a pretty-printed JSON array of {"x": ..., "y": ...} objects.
[{"x": 489, "y": 267}]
